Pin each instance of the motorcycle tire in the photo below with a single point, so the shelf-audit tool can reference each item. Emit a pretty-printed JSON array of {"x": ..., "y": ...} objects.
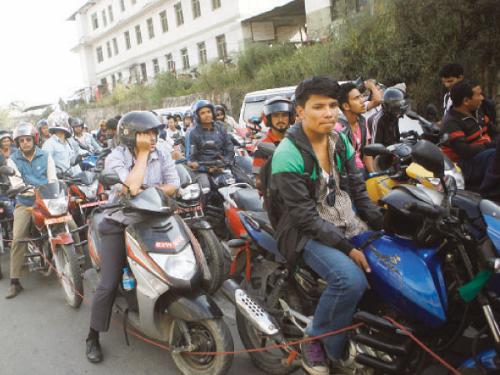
[
  {"x": 214, "y": 255},
  {"x": 209, "y": 336},
  {"x": 70, "y": 274},
  {"x": 267, "y": 361}
]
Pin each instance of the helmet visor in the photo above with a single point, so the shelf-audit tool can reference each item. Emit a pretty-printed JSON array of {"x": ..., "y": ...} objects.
[{"x": 277, "y": 107}]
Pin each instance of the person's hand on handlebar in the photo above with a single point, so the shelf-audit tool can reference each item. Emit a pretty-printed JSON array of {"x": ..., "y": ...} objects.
[{"x": 193, "y": 164}]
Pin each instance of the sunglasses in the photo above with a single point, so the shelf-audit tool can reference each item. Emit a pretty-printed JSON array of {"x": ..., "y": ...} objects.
[{"x": 330, "y": 198}]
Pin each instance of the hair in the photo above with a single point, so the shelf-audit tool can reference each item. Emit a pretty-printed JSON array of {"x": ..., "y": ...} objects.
[
  {"x": 451, "y": 70},
  {"x": 112, "y": 123},
  {"x": 317, "y": 85},
  {"x": 462, "y": 90},
  {"x": 344, "y": 91}
]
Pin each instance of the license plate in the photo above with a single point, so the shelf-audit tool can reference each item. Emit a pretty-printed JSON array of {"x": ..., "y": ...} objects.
[
  {"x": 92, "y": 204},
  {"x": 58, "y": 220}
]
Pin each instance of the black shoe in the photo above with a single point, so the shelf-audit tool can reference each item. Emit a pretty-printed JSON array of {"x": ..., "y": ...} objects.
[
  {"x": 14, "y": 290},
  {"x": 93, "y": 352}
]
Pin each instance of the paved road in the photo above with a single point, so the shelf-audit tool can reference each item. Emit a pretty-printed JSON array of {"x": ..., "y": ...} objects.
[{"x": 40, "y": 334}]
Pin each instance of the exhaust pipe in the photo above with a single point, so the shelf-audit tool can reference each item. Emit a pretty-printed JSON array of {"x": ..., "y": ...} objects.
[{"x": 250, "y": 309}]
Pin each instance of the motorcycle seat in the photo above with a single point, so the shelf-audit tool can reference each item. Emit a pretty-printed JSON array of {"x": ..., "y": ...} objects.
[
  {"x": 248, "y": 200},
  {"x": 261, "y": 218}
]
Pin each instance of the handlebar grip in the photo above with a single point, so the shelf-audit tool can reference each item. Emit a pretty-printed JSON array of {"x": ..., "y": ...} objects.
[{"x": 426, "y": 210}]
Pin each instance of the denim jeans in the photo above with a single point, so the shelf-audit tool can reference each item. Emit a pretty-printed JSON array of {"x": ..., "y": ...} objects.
[{"x": 338, "y": 302}]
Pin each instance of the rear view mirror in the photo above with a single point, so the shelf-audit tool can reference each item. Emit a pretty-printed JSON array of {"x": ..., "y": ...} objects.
[
  {"x": 429, "y": 156},
  {"x": 266, "y": 148},
  {"x": 109, "y": 177},
  {"x": 7, "y": 171},
  {"x": 376, "y": 149}
]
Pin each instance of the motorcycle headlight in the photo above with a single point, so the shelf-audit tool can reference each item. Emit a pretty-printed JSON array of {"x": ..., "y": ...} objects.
[
  {"x": 190, "y": 192},
  {"x": 181, "y": 266},
  {"x": 90, "y": 191},
  {"x": 56, "y": 206}
]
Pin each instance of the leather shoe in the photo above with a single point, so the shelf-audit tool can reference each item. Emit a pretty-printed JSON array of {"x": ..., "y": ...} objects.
[
  {"x": 14, "y": 290},
  {"x": 93, "y": 352}
]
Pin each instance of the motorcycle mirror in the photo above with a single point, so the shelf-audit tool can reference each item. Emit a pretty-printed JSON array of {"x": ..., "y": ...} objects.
[
  {"x": 267, "y": 148},
  {"x": 7, "y": 171},
  {"x": 109, "y": 177},
  {"x": 376, "y": 149},
  {"x": 429, "y": 156}
]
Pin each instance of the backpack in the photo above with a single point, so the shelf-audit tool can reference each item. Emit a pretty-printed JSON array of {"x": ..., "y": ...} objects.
[{"x": 266, "y": 188}]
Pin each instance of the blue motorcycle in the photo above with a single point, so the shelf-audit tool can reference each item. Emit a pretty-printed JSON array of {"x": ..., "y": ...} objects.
[{"x": 435, "y": 269}]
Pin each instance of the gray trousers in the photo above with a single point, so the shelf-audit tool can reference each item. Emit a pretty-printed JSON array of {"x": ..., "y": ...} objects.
[{"x": 113, "y": 259}]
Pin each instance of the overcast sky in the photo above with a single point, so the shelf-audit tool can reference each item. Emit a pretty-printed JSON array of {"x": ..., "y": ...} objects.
[{"x": 36, "y": 62}]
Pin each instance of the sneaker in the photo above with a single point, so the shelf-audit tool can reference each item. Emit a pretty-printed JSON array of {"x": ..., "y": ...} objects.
[
  {"x": 314, "y": 358},
  {"x": 14, "y": 290}
]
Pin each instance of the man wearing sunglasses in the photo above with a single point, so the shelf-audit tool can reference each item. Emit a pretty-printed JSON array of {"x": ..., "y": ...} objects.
[{"x": 314, "y": 185}]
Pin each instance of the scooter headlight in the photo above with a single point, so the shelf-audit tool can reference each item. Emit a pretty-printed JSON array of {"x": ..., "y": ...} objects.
[
  {"x": 190, "y": 192},
  {"x": 56, "y": 206},
  {"x": 180, "y": 266}
]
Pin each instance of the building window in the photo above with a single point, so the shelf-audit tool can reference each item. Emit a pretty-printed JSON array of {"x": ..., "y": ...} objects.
[
  {"x": 104, "y": 19},
  {"x": 185, "y": 58},
  {"x": 122, "y": 5},
  {"x": 138, "y": 34},
  {"x": 196, "y": 8},
  {"x": 100, "y": 56},
  {"x": 126, "y": 34},
  {"x": 144, "y": 72},
  {"x": 115, "y": 46},
  {"x": 221, "y": 47},
  {"x": 178, "y": 14},
  {"x": 156, "y": 66},
  {"x": 215, "y": 4},
  {"x": 108, "y": 47},
  {"x": 120, "y": 77},
  {"x": 95, "y": 21},
  {"x": 164, "y": 21},
  {"x": 170, "y": 62},
  {"x": 110, "y": 13},
  {"x": 113, "y": 81},
  {"x": 151, "y": 29},
  {"x": 202, "y": 53}
]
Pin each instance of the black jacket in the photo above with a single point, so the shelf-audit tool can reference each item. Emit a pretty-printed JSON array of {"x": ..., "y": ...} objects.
[{"x": 295, "y": 193}]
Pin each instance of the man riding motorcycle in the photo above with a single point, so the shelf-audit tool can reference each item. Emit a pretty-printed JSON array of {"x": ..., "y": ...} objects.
[
  {"x": 33, "y": 167},
  {"x": 278, "y": 116},
  {"x": 137, "y": 161},
  {"x": 42, "y": 127},
  {"x": 63, "y": 149},
  {"x": 207, "y": 129},
  {"x": 86, "y": 140},
  {"x": 313, "y": 179}
]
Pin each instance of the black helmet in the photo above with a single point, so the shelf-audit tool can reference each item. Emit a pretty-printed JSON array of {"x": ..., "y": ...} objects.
[
  {"x": 394, "y": 102},
  {"x": 136, "y": 122},
  {"x": 75, "y": 121},
  {"x": 219, "y": 107},
  {"x": 277, "y": 104},
  {"x": 189, "y": 114}
]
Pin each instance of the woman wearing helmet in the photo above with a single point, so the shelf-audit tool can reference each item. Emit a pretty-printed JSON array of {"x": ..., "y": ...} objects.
[
  {"x": 42, "y": 127},
  {"x": 6, "y": 144},
  {"x": 60, "y": 146},
  {"x": 137, "y": 160}
]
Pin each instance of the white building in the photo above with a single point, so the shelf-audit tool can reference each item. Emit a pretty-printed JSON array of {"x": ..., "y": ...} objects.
[{"x": 130, "y": 41}]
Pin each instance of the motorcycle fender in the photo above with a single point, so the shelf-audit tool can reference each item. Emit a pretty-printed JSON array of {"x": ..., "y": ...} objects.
[
  {"x": 61, "y": 239},
  {"x": 200, "y": 224},
  {"x": 193, "y": 308}
]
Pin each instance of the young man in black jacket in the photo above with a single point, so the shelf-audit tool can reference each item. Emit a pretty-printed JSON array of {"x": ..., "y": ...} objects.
[{"x": 316, "y": 217}]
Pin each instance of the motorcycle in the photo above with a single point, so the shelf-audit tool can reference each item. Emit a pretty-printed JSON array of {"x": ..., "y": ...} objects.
[
  {"x": 7, "y": 205},
  {"x": 168, "y": 303},
  {"x": 434, "y": 269},
  {"x": 94, "y": 161},
  {"x": 52, "y": 242}
]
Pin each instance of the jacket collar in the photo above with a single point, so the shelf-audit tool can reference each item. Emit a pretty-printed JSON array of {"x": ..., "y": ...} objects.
[
  {"x": 296, "y": 133},
  {"x": 19, "y": 155}
]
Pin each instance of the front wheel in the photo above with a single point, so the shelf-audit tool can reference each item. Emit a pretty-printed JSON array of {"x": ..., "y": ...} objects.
[
  {"x": 69, "y": 273},
  {"x": 214, "y": 255},
  {"x": 206, "y": 336}
]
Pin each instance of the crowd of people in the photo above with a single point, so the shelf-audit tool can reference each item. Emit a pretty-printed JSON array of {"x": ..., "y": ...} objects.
[{"x": 318, "y": 199}]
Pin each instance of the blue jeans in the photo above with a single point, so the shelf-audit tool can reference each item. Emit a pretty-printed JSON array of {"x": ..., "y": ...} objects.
[{"x": 338, "y": 302}]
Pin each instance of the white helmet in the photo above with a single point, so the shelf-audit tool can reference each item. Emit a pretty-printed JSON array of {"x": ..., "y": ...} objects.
[
  {"x": 25, "y": 129},
  {"x": 59, "y": 120}
]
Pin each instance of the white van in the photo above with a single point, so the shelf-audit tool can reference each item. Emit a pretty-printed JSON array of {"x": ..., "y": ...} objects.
[{"x": 254, "y": 102}]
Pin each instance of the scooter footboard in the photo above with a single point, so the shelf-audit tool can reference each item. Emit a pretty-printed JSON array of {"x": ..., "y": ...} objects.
[{"x": 193, "y": 308}]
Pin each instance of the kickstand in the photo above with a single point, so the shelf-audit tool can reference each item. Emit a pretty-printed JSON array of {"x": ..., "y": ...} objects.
[{"x": 125, "y": 324}]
